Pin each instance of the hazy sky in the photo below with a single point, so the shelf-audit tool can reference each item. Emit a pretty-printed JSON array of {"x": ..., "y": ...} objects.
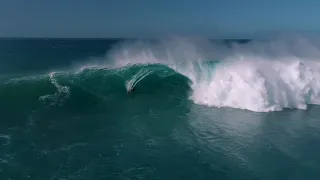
[{"x": 145, "y": 18}]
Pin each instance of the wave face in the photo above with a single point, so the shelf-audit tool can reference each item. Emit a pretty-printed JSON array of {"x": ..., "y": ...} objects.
[
  {"x": 92, "y": 85},
  {"x": 258, "y": 76}
]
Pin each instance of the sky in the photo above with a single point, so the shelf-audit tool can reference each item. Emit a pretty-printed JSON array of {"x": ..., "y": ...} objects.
[{"x": 151, "y": 18}]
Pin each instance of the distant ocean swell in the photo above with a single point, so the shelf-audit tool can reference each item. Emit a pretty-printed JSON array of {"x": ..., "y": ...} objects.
[{"x": 243, "y": 77}]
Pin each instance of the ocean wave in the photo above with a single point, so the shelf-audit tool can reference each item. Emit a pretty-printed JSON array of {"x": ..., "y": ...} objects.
[{"x": 257, "y": 76}]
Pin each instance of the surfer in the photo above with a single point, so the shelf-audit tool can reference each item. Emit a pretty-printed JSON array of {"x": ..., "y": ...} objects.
[{"x": 131, "y": 90}]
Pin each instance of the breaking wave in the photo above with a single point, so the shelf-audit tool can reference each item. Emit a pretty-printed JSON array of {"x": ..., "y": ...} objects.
[{"x": 258, "y": 76}]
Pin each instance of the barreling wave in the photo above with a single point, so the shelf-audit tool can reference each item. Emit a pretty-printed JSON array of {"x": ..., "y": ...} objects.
[{"x": 258, "y": 76}]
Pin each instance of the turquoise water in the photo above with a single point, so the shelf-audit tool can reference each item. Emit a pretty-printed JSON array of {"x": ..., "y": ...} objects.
[{"x": 66, "y": 113}]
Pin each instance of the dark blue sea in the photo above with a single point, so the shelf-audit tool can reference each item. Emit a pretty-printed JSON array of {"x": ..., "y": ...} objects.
[{"x": 173, "y": 108}]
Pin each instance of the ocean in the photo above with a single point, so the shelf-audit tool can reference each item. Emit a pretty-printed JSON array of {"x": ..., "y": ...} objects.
[{"x": 174, "y": 108}]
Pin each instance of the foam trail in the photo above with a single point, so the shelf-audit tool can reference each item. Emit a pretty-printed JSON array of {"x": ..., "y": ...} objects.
[
  {"x": 62, "y": 93},
  {"x": 130, "y": 84}
]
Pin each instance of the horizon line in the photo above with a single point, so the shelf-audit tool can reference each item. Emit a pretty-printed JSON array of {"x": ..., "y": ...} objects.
[{"x": 106, "y": 38}]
